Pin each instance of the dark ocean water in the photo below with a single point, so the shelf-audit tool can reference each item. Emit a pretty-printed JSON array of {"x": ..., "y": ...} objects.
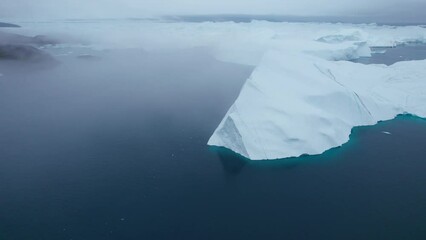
[
  {"x": 408, "y": 52},
  {"x": 115, "y": 148}
]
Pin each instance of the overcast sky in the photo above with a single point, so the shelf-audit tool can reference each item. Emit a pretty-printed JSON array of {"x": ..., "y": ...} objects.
[{"x": 400, "y": 9}]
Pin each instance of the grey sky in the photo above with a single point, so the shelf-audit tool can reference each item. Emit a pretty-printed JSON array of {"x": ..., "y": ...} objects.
[{"x": 400, "y": 9}]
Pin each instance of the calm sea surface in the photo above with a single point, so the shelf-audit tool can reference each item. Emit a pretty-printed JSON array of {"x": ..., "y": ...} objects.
[{"x": 114, "y": 147}]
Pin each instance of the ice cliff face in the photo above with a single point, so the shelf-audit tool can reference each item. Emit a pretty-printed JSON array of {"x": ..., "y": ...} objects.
[{"x": 300, "y": 104}]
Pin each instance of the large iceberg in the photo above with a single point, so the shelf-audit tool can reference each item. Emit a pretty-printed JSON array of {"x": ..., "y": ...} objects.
[{"x": 295, "y": 104}]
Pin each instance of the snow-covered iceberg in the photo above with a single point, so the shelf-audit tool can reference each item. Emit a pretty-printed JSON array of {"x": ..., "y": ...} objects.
[{"x": 295, "y": 104}]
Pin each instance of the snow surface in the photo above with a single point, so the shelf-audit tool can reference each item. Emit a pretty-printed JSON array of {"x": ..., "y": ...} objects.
[{"x": 302, "y": 98}]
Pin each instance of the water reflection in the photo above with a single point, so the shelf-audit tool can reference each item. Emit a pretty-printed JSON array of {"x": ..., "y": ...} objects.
[{"x": 232, "y": 163}]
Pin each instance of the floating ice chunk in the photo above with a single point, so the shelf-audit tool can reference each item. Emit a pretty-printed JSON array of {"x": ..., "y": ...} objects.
[
  {"x": 387, "y": 133},
  {"x": 345, "y": 35},
  {"x": 300, "y": 104},
  {"x": 349, "y": 51},
  {"x": 379, "y": 50},
  {"x": 338, "y": 38}
]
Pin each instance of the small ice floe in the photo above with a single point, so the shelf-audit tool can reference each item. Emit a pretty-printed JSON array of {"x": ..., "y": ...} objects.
[
  {"x": 379, "y": 51},
  {"x": 88, "y": 57},
  {"x": 64, "y": 54},
  {"x": 387, "y": 133}
]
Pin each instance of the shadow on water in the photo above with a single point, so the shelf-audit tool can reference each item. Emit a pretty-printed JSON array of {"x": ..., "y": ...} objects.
[{"x": 232, "y": 163}]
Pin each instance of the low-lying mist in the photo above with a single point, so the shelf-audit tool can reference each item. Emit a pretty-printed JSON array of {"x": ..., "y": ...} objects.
[{"x": 104, "y": 95}]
